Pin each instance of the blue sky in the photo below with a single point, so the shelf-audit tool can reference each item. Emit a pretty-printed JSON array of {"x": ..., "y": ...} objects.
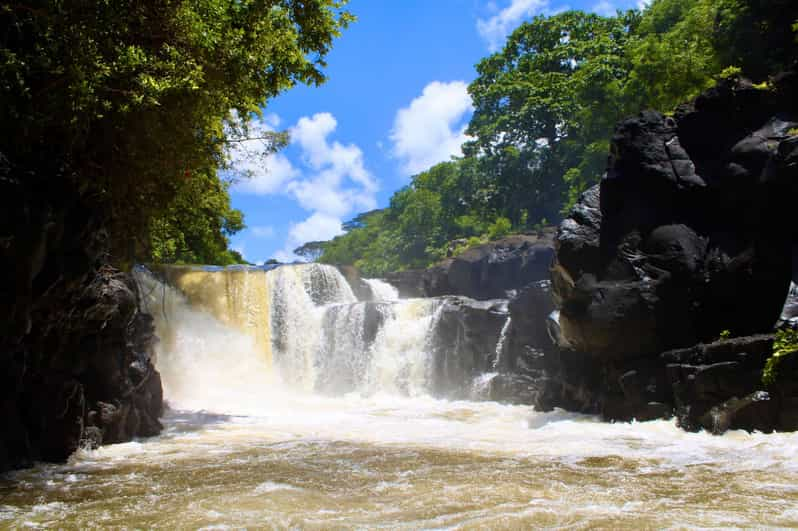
[{"x": 394, "y": 104}]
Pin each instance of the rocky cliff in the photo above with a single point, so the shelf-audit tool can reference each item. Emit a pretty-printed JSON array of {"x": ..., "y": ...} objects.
[
  {"x": 687, "y": 239},
  {"x": 74, "y": 347}
]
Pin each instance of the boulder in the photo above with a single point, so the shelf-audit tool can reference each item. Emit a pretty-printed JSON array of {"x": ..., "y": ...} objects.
[
  {"x": 688, "y": 234},
  {"x": 493, "y": 270}
]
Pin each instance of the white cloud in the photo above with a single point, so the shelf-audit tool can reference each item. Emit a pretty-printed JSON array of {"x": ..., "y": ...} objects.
[
  {"x": 604, "y": 8},
  {"x": 643, "y": 4},
  {"x": 340, "y": 182},
  {"x": 317, "y": 227},
  {"x": 432, "y": 128},
  {"x": 330, "y": 180},
  {"x": 496, "y": 28},
  {"x": 262, "y": 231},
  {"x": 255, "y": 172}
]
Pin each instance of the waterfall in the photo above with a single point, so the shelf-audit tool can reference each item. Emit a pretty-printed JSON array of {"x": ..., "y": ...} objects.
[
  {"x": 208, "y": 360},
  {"x": 241, "y": 333},
  {"x": 381, "y": 290},
  {"x": 501, "y": 342},
  {"x": 401, "y": 360}
]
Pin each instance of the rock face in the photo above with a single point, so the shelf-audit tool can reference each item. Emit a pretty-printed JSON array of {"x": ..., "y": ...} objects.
[
  {"x": 489, "y": 271},
  {"x": 74, "y": 347},
  {"x": 466, "y": 338},
  {"x": 688, "y": 235}
]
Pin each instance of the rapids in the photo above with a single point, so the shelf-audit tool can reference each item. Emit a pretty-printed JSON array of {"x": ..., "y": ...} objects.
[{"x": 293, "y": 405}]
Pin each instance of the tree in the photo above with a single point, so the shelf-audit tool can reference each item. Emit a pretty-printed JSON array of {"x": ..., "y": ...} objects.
[
  {"x": 310, "y": 251},
  {"x": 135, "y": 98},
  {"x": 545, "y": 109},
  {"x": 554, "y": 89}
]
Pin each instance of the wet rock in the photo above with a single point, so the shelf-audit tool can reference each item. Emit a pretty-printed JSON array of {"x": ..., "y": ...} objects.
[
  {"x": 494, "y": 270},
  {"x": 466, "y": 336}
]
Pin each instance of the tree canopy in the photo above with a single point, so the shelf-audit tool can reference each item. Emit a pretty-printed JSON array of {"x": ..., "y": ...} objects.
[
  {"x": 545, "y": 107},
  {"x": 139, "y": 100}
]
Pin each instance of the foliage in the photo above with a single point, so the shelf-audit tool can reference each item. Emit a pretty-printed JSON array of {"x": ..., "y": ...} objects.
[
  {"x": 195, "y": 226},
  {"x": 725, "y": 334},
  {"x": 310, "y": 251},
  {"x": 786, "y": 342},
  {"x": 545, "y": 107},
  {"x": 135, "y": 98}
]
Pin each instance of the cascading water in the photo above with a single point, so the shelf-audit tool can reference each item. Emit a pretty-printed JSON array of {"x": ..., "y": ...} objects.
[
  {"x": 501, "y": 344},
  {"x": 320, "y": 337},
  {"x": 401, "y": 352},
  {"x": 250, "y": 359},
  {"x": 381, "y": 290}
]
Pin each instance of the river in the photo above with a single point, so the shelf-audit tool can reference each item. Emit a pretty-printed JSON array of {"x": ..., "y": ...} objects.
[{"x": 247, "y": 442}]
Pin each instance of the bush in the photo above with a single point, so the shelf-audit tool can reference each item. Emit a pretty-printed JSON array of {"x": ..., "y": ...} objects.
[
  {"x": 499, "y": 228},
  {"x": 786, "y": 343}
]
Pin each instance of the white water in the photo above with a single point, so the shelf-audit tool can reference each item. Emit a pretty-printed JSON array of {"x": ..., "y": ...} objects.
[
  {"x": 248, "y": 444},
  {"x": 500, "y": 344},
  {"x": 381, "y": 290}
]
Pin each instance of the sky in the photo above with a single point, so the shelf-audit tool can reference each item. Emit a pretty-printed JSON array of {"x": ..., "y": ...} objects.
[{"x": 394, "y": 104}]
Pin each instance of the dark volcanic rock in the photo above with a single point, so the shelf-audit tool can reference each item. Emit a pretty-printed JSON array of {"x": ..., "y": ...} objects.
[
  {"x": 688, "y": 234},
  {"x": 409, "y": 283},
  {"x": 74, "y": 347},
  {"x": 466, "y": 336},
  {"x": 494, "y": 270},
  {"x": 719, "y": 386}
]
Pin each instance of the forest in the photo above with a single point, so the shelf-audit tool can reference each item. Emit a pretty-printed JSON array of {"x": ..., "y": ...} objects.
[{"x": 544, "y": 111}]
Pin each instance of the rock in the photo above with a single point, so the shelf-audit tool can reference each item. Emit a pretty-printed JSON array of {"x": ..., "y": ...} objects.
[
  {"x": 466, "y": 336},
  {"x": 529, "y": 340},
  {"x": 71, "y": 335},
  {"x": 410, "y": 283},
  {"x": 688, "y": 235},
  {"x": 688, "y": 242},
  {"x": 494, "y": 270}
]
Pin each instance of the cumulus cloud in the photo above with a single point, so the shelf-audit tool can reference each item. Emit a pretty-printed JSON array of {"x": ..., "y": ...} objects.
[
  {"x": 497, "y": 27},
  {"x": 642, "y": 4},
  {"x": 330, "y": 179},
  {"x": 340, "y": 182},
  {"x": 604, "y": 8},
  {"x": 432, "y": 128},
  {"x": 256, "y": 172}
]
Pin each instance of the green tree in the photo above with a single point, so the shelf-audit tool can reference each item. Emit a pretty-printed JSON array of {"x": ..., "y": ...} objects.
[
  {"x": 196, "y": 225},
  {"x": 545, "y": 109},
  {"x": 554, "y": 89},
  {"x": 134, "y": 97}
]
